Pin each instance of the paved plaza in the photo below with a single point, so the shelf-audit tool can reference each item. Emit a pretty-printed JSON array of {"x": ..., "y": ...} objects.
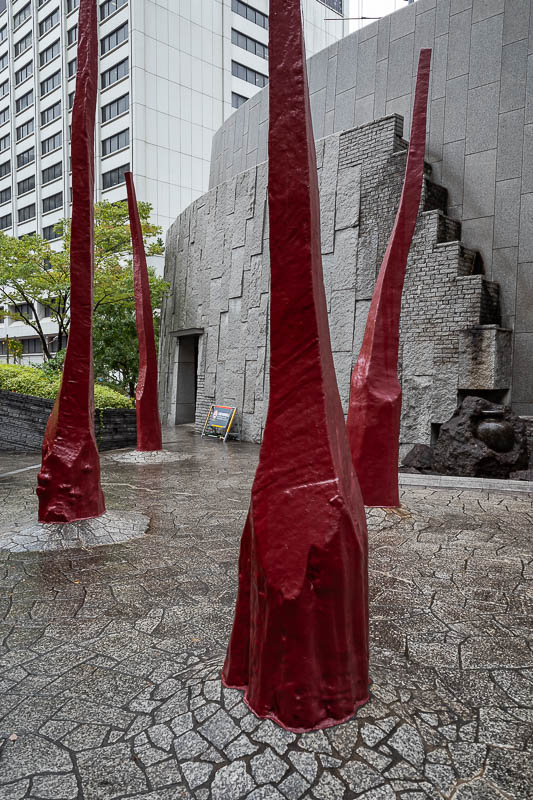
[{"x": 110, "y": 656}]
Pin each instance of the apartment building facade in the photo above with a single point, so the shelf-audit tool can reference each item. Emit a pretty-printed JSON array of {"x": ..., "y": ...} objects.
[{"x": 169, "y": 75}]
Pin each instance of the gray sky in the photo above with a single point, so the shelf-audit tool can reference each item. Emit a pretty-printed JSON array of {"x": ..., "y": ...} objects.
[{"x": 370, "y": 8}]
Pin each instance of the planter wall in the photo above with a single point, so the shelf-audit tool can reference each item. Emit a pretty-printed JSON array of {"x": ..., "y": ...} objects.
[{"x": 23, "y": 420}]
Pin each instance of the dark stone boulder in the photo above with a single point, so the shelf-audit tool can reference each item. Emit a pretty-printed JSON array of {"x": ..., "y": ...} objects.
[
  {"x": 482, "y": 440},
  {"x": 418, "y": 459},
  {"x": 522, "y": 475}
]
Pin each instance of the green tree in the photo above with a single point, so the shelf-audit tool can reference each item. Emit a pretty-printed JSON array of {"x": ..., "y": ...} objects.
[{"x": 33, "y": 273}]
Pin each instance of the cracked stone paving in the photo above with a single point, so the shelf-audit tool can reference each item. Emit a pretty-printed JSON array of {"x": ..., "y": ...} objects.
[{"x": 110, "y": 656}]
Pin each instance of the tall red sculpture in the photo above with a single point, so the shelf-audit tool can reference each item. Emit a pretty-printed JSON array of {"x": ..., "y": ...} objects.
[
  {"x": 375, "y": 396},
  {"x": 299, "y": 646},
  {"x": 148, "y": 422},
  {"x": 69, "y": 482}
]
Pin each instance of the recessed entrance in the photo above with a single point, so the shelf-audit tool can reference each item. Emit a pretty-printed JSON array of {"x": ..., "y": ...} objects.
[{"x": 185, "y": 377}]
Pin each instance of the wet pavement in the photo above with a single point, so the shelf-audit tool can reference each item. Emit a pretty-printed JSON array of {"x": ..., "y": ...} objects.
[{"x": 110, "y": 656}]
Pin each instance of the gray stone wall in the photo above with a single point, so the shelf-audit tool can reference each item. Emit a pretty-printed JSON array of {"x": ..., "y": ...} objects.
[
  {"x": 480, "y": 130},
  {"x": 23, "y": 421},
  {"x": 217, "y": 263}
]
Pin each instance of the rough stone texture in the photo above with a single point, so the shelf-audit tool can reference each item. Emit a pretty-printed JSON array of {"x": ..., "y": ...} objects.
[
  {"x": 110, "y": 657},
  {"x": 419, "y": 458},
  {"x": 480, "y": 131},
  {"x": 485, "y": 358},
  {"x": 148, "y": 458},
  {"x": 460, "y": 449},
  {"x": 23, "y": 421},
  {"x": 361, "y": 175}
]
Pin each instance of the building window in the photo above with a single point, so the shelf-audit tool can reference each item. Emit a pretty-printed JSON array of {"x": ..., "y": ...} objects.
[
  {"x": 247, "y": 43},
  {"x": 250, "y": 13},
  {"x": 116, "y": 108},
  {"x": 26, "y": 213},
  {"x": 49, "y": 233},
  {"x": 24, "y": 309},
  {"x": 5, "y": 195},
  {"x": 237, "y": 100},
  {"x": 51, "y": 113},
  {"x": 23, "y": 73},
  {"x": 31, "y": 346},
  {"x": 5, "y": 169},
  {"x": 72, "y": 5},
  {"x": 25, "y": 129},
  {"x": 25, "y": 158},
  {"x": 4, "y": 88},
  {"x": 24, "y": 102},
  {"x": 115, "y": 142},
  {"x": 71, "y": 100},
  {"x": 335, "y": 5},
  {"x": 49, "y": 22},
  {"x": 27, "y": 185},
  {"x": 3, "y": 33},
  {"x": 50, "y": 83},
  {"x": 21, "y": 15},
  {"x": 115, "y": 176},
  {"x": 72, "y": 67},
  {"x": 249, "y": 75},
  {"x": 50, "y": 53},
  {"x": 114, "y": 74},
  {"x": 52, "y": 202},
  {"x": 109, "y": 7},
  {"x": 72, "y": 34},
  {"x": 113, "y": 39},
  {"x": 4, "y": 142},
  {"x": 4, "y": 115},
  {"x": 6, "y": 222},
  {"x": 50, "y": 144},
  {"x": 23, "y": 44},
  {"x": 52, "y": 173},
  {"x": 4, "y": 61}
]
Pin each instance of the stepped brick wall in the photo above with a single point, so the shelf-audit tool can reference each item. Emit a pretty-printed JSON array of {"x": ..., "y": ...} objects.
[
  {"x": 217, "y": 262},
  {"x": 23, "y": 421}
]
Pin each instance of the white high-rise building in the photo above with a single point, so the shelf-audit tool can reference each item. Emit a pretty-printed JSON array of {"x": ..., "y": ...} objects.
[{"x": 171, "y": 71}]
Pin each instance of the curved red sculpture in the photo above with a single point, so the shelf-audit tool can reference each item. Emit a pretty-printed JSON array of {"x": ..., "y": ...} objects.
[
  {"x": 69, "y": 482},
  {"x": 299, "y": 646},
  {"x": 375, "y": 395},
  {"x": 148, "y": 422}
]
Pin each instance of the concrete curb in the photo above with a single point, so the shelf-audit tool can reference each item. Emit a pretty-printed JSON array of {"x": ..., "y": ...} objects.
[{"x": 461, "y": 482}]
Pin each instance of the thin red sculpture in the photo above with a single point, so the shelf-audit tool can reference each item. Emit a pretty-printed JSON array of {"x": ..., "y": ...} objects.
[
  {"x": 148, "y": 422},
  {"x": 375, "y": 395},
  {"x": 299, "y": 646},
  {"x": 69, "y": 482}
]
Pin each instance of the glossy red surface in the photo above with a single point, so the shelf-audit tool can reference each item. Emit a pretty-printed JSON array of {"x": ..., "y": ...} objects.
[
  {"x": 299, "y": 646},
  {"x": 375, "y": 395},
  {"x": 69, "y": 482},
  {"x": 148, "y": 421}
]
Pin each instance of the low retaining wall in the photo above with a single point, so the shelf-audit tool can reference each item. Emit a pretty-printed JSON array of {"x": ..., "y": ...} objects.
[{"x": 23, "y": 421}]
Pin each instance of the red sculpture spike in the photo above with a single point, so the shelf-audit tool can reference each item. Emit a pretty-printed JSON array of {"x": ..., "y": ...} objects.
[
  {"x": 299, "y": 645},
  {"x": 375, "y": 396},
  {"x": 69, "y": 482},
  {"x": 148, "y": 422}
]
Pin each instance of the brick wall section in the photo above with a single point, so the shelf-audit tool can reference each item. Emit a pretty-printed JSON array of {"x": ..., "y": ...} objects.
[
  {"x": 23, "y": 421},
  {"x": 217, "y": 262}
]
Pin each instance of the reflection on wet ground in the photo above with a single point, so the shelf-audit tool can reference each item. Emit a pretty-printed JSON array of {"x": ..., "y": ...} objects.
[{"x": 110, "y": 656}]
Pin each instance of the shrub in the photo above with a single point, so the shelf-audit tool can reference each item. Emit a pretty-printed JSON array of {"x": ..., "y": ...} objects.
[{"x": 36, "y": 382}]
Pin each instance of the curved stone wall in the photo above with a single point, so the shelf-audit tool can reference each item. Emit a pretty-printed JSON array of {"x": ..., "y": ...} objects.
[
  {"x": 480, "y": 130},
  {"x": 217, "y": 263}
]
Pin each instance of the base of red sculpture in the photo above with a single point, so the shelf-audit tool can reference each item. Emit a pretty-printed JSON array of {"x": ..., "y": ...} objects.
[
  {"x": 301, "y": 656},
  {"x": 69, "y": 487}
]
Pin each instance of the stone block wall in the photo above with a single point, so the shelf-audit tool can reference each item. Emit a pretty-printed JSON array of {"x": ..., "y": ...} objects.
[
  {"x": 23, "y": 421},
  {"x": 479, "y": 135},
  {"x": 217, "y": 263}
]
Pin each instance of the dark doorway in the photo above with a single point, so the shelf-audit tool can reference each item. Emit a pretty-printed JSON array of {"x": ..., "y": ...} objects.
[{"x": 186, "y": 377}]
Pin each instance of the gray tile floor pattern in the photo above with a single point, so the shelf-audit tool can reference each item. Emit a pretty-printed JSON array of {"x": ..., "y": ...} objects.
[{"x": 110, "y": 657}]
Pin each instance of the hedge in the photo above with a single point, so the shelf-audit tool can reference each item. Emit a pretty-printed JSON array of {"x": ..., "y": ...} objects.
[{"x": 32, "y": 381}]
